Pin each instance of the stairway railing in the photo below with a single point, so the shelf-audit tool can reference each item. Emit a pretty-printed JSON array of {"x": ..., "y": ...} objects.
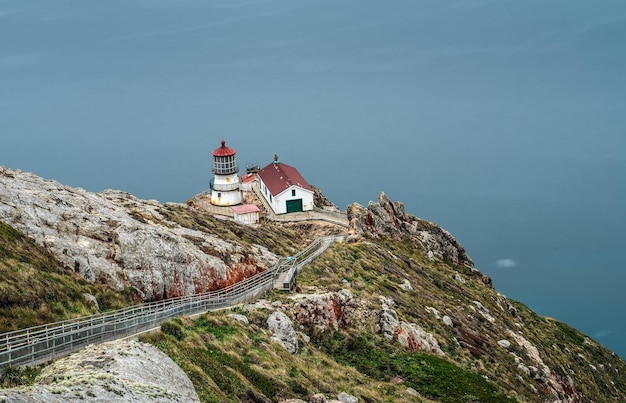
[{"x": 46, "y": 342}]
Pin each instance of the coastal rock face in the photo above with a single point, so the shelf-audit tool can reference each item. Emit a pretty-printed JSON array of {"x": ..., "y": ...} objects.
[
  {"x": 334, "y": 310},
  {"x": 387, "y": 218},
  {"x": 283, "y": 331},
  {"x": 414, "y": 338},
  {"x": 115, "y": 371},
  {"x": 115, "y": 238},
  {"x": 410, "y": 335}
]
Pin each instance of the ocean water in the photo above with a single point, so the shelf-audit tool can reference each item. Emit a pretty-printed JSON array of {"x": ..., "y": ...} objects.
[{"x": 502, "y": 121}]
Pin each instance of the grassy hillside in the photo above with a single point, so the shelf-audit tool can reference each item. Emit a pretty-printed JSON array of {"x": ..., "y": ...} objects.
[
  {"x": 372, "y": 269},
  {"x": 35, "y": 289},
  {"x": 494, "y": 349},
  {"x": 229, "y": 361}
]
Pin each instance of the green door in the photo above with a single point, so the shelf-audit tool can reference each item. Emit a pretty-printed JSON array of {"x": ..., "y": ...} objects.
[{"x": 294, "y": 205}]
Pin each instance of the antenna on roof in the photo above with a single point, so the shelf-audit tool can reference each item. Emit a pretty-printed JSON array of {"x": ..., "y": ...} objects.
[{"x": 276, "y": 162}]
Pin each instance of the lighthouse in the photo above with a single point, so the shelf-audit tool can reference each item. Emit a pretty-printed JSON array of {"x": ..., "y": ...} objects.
[{"x": 225, "y": 184}]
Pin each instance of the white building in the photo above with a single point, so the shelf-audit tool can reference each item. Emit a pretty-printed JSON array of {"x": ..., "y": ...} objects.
[
  {"x": 246, "y": 181},
  {"x": 225, "y": 184},
  {"x": 246, "y": 214},
  {"x": 284, "y": 188}
]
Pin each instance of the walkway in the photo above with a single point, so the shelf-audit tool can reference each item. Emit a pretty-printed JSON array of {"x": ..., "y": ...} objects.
[
  {"x": 43, "y": 343},
  {"x": 286, "y": 280}
]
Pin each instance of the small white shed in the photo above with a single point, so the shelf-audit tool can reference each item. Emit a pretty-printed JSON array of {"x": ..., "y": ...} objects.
[{"x": 246, "y": 214}]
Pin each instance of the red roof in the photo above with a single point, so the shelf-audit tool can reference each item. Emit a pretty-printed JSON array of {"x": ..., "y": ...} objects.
[
  {"x": 224, "y": 151},
  {"x": 247, "y": 177},
  {"x": 279, "y": 177},
  {"x": 245, "y": 209}
]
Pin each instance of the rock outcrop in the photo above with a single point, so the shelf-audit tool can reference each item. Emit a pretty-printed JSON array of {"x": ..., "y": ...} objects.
[
  {"x": 117, "y": 239},
  {"x": 387, "y": 218},
  {"x": 334, "y": 310},
  {"x": 109, "y": 372},
  {"x": 410, "y": 335},
  {"x": 283, "y": 332}
]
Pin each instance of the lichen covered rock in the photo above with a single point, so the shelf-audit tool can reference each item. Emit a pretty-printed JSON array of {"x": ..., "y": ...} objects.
[
  {"x": 117, "y": 239},
  {"x": 283, "y": 332},
  {"x": 110, "y": 372},
  {"x": 387, "y": 218},
  {"x": 334, "y": 310}
]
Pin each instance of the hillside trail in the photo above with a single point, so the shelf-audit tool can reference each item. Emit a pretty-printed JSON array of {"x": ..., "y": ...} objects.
[{"x": 43, "y": 343}]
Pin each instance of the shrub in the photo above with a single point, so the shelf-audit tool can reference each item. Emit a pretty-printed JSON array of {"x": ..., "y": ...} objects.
[
  {"x": 17, "y": 376},
  {"x": 173, "y": 328}
]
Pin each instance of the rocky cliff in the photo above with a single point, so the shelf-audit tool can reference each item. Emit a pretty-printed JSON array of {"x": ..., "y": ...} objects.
[
  {"x": 398, "y": 312},
  {"x": 388, "y": 219},
  {"x": 109, "y": 372},
  {"x": 114, "y": 238}
]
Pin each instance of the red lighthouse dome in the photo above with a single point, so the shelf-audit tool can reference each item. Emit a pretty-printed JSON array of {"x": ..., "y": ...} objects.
[
  {"x": 224, "y": 151},
  {"x": 224, "y": 161}
]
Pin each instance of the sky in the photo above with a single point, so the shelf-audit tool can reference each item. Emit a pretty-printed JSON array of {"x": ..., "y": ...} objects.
[{"x": 502, "y": 121}]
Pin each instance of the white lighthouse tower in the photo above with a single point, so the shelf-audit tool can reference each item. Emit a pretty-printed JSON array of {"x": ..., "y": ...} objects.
[{"x": 225, "y": 184}]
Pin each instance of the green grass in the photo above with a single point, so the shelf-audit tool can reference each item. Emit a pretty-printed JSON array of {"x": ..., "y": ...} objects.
[
  {"x": 19, "y": 376},
  {"x": 36, "y": 289},
  {"x": 215, "y": 372},
  {"x": 229, "y": 361},
  {"x": 219, "y": 329},
  {"x": 432, "y": 376}
]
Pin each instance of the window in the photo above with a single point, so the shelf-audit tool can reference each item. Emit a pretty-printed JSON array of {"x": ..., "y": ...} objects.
[{"x": 293, "y": 192}]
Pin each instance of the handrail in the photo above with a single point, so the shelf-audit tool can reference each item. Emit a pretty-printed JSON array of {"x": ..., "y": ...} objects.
[
  {"x": 321, "y": 244},
  {"x": 45, "y": 342}
]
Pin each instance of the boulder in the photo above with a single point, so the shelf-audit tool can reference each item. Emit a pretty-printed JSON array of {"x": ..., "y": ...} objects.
[
  {"x": 504, "y": 343},
  {"x": 346, "y": 398},
  {"x": 334, "y": 310},
  {"x": 406, "y": 285},
  {"x": 410, "y": 335},
  {"x": 414, "y": 338},
  {"x": 318, "y": 398},
  {"x": 388, "y": 323},
  {"x": 412, "y": 392},
  {"x": 238, "y": 317},
  {"x": 122, "y": 370},
  {"x": 283, "y": 332}
]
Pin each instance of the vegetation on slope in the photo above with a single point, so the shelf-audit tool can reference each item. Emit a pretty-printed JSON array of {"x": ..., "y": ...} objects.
[
  {"x": 230, "y": 361},
  {"x": 276, "y": 238},
  {"x": 35, "y": 288},
  {"x": 377, "y": 268}
]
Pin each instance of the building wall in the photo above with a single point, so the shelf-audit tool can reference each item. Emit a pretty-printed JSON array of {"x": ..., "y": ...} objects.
[
  {"x": 247, "y": 186},
  {"x": 225, "y": 190},
  {"x": 248, "y": 218}
]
